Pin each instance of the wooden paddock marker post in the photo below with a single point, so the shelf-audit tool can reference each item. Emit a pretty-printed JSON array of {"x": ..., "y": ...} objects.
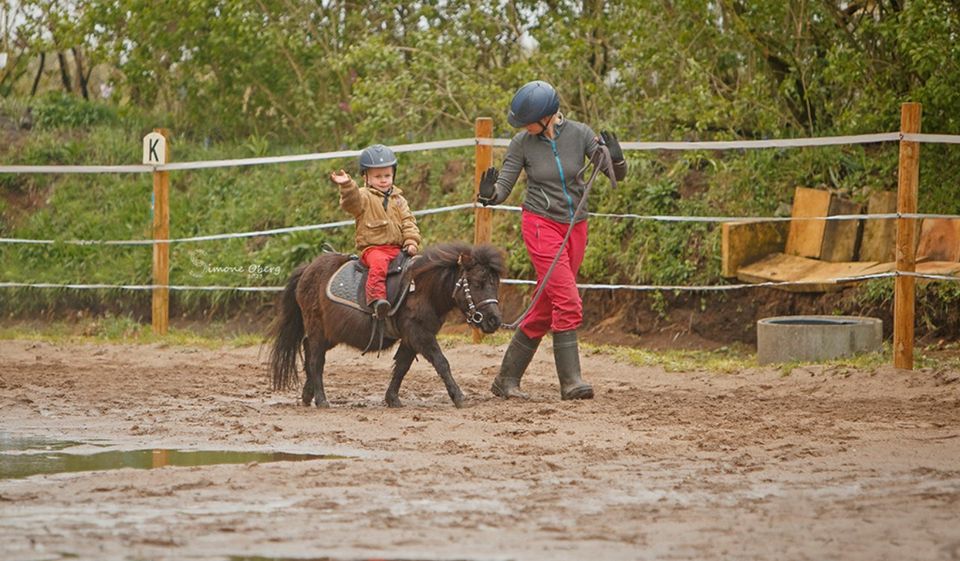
[
  {"x": 156, "y": 152},
  {"x": 482, "y": 217},
  {"x": 904, "y": 295}
]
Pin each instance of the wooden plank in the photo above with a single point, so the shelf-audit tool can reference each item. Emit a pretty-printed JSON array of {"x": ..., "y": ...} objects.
[
  {"x": 815, "y": 275},
  {"x": 880, "y": 268},
  {"x": 939, "y": 240},
  {"x": 939, "y": 268},
  {"x": 904, "y": 293},
  {"x": 879, "y": 235},
  {"x": 805, "y": 237},
  {"x": 777, "y": 267},
  {"x": 830, "y": 272},
  {"x": 841, "y": 238},
  {"x": 743, "y": 243},
  {"x": 925, "y": 267}
]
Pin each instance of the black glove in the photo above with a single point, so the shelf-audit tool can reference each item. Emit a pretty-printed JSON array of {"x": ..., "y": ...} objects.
[
  {"x": 488, "y": 186},
  {"x": 609, "y": 139}
]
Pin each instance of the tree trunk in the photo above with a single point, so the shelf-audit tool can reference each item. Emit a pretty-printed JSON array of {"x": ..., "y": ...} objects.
[
  {"x": 65, "y": 72},
  {"x": 82, "y": 77},
  {"x": 36, "y": 80}
]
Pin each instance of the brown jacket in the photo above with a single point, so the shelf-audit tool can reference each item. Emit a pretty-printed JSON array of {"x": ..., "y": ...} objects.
[{"x": 377, "y": 224}]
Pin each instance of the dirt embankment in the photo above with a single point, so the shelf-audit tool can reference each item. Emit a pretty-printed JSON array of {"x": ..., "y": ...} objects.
[{"x": 679, "y": 321}]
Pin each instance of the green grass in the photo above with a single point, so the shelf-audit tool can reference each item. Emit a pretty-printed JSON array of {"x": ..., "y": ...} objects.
[
  {"x": 725, "y": 360},
  {"x": 733, "y": 359},
  {"x": 126, "y": 330}
]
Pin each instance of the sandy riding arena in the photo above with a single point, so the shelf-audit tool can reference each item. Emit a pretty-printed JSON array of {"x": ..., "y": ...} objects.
[{"x": 823, "y": 463}]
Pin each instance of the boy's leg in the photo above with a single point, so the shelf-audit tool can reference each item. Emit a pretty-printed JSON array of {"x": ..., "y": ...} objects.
[{"x": 377, "y": 259}]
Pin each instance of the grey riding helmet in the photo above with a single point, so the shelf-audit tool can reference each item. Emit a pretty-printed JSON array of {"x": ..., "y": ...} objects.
[
  {"x": 377, "y": 156},
  {"x": 532, "y": 102}
]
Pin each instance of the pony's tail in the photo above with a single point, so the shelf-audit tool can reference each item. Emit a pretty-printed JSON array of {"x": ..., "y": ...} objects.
[{"x": 288, "y": 332}]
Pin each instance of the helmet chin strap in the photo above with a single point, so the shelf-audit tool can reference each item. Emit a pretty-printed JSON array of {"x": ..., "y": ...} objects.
[{"x": 543, "y": 127}]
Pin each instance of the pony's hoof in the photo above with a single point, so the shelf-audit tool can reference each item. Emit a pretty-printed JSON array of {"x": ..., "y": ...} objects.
[
  {"x": 459, "y": 402},
  {"x": 323, "y": 404},
  {"x": 394, "y": 403}
]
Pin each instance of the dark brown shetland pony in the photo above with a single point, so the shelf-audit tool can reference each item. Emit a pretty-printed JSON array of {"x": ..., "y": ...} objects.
[{"x": 447, "y": 276}]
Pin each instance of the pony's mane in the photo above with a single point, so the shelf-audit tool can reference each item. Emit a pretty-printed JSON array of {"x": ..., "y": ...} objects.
[
  {"x": 445, "y": 255},
  {"x": 491, "y": 257}
]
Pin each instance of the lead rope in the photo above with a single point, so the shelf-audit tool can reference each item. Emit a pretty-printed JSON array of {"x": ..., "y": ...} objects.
[{"x": 601, "y": 160}]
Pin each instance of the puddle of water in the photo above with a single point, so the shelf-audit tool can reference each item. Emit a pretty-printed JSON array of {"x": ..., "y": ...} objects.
[
  {"x": 25, "y": 456},
  {"x": 259, "y": 558},
  {"x": 28, "y": 443}
]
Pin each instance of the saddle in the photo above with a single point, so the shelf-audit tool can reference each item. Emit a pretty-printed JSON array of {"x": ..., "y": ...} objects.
[{"x": 348, "y": 284}]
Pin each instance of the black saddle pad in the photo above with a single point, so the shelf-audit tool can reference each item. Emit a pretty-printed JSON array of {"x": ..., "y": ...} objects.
[{"x": 347, "y": 286}]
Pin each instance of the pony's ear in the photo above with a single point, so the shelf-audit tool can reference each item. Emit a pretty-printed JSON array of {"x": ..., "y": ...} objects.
[{"x": 465, "y": 259}]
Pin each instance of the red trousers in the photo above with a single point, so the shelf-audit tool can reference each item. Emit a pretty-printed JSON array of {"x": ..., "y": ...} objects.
[
  {"x": 377, "y": 258},
  {"x": 559, "y": 307}
]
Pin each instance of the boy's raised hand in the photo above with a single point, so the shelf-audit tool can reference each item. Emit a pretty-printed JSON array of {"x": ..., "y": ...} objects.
[{"x": 340, "y": 177}]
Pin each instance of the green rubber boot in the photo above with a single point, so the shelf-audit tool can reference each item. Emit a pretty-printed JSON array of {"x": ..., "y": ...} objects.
[
  {"x": 515, "y": 361},
  {"x": 566, "y": 355}
]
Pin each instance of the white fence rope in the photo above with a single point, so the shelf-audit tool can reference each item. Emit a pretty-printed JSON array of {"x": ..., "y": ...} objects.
[
  {"x": 464, "y": 206},
  {"x": 140, "y": 286},
  {"x": 324, "y": 226},
  {"x": 177, "y": 166},
  {"x": 674, "y": 218},
  {"x": 772, "y": 143},
  {"x": 500, "y": 142},
  {"x": 932, "y": 138},
  {"x": 517, "y": 282}
]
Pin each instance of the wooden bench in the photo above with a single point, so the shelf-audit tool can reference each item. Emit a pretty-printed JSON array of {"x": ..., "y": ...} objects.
[{"x": 814, "y": 253}]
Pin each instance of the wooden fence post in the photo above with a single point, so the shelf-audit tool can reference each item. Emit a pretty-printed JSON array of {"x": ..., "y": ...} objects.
[
  {"x": 903, "y": 294},
  {"x": 156, "y": 153},
  {"x": 482, "y": 217}
]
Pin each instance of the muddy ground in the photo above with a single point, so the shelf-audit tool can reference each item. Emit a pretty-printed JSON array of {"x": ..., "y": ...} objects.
[{"x": 823, "y": 463}]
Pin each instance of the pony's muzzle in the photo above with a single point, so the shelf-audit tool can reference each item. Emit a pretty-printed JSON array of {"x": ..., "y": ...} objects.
[{"x": 491, "y": 319}]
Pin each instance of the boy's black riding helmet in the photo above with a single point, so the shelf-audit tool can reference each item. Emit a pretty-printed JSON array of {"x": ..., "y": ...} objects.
[
  {"x": 377, "y": 156},
  {"x": 532, "y": 102}
]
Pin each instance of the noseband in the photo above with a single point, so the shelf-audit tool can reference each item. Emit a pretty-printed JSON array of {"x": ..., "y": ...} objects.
[{"x": 474, "y": 316}]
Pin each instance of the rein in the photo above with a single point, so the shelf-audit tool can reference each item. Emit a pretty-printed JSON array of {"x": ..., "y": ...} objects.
[{"x": 600, "y": 160}]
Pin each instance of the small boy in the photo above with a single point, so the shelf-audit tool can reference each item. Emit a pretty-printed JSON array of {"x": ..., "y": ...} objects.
[{"x": 384, "y": 222}]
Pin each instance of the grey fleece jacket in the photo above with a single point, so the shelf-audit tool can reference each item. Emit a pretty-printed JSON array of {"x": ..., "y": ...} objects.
[{"x": 541, "y": 158}]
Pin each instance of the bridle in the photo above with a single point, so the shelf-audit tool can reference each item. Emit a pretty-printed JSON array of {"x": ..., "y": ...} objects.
[{"x": 474, "y": 316}]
